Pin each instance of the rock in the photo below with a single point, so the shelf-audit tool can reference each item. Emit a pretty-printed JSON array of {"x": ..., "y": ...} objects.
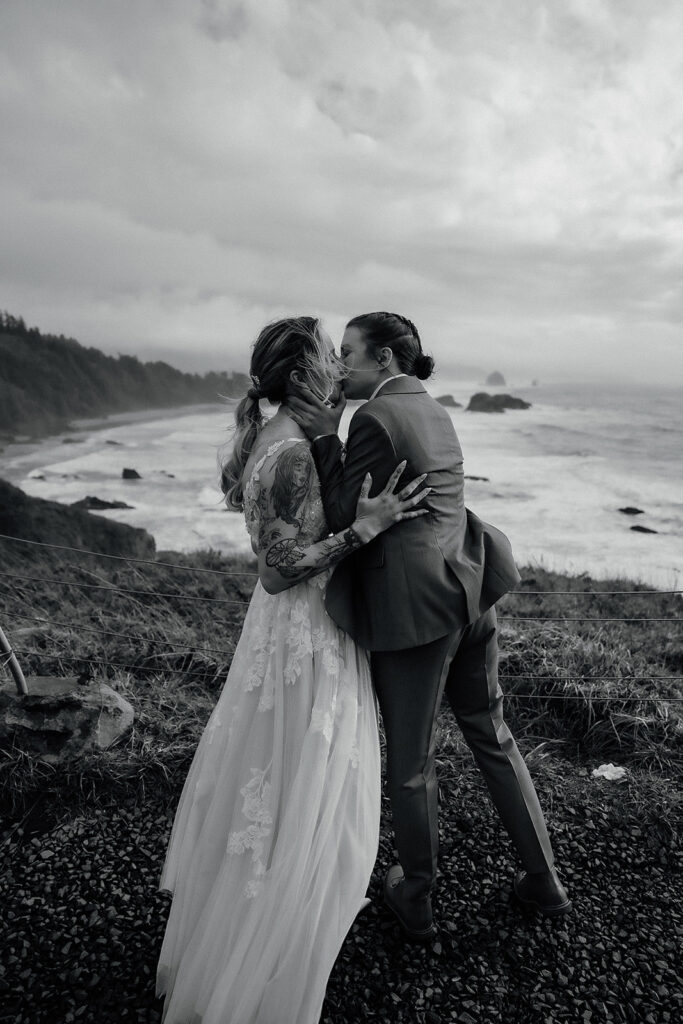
[
  {"x": 118, "y": 443},
  {"x": 131, "y": 474},
  {"x": 510, "y": 402},
  {"x": 61, "y": 718},
  {"x": 484, "y": 478},
  {"x": 72, "y": 440},
  {"x": 449, "y": 402},
  {"x": 495, "y": 380},
  {"x": 37, "y": 519},
  {"x": 629, "y": 510},
  {"x": 483, "y": 402},
  {"x": 643, "y": 529},
  {"x": 91, "y": 502}
]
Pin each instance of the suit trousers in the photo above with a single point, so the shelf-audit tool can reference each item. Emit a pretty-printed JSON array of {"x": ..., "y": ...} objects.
[{"x": 410, "y": 685}]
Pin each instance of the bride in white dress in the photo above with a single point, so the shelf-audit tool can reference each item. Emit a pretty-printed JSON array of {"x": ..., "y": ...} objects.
[{"x": 276, "y": 832}]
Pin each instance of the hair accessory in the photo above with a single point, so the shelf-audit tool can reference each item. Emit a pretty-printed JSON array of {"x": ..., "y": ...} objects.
[{"x": 255, "y": 381}]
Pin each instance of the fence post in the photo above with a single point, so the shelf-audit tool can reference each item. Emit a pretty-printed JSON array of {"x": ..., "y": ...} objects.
[{"x": 11, "y": 660}]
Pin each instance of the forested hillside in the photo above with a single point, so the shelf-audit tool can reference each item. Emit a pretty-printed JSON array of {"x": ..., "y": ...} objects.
[{"x": 47, "y": 380}]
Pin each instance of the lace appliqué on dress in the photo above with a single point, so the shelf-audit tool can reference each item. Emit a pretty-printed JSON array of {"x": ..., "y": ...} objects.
[
  {"x": 323, "y": 722},
  {"x": 256, "y": 808},
  {"x": 298, "y": 638}
]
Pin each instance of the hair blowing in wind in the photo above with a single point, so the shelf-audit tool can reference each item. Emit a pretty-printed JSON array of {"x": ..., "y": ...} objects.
[{"x": 282, "y": 347}]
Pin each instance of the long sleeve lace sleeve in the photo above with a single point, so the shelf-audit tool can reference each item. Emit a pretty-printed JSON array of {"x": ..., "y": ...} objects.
[{"x": 285, "y": 553}]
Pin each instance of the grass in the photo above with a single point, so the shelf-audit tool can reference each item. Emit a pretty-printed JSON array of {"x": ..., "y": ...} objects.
[
  {"x": 82, "y": 843},
  {"x": 173, "y": 689}
]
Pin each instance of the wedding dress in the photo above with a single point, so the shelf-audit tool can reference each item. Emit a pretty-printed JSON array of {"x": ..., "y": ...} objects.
[{"x": 277, "y": 828}]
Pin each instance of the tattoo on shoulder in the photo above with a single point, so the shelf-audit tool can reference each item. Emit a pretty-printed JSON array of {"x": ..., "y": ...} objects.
[{"x": 292, "y": 483}]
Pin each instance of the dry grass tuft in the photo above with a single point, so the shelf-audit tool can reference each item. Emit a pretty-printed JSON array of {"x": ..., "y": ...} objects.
[{"x": 174, "y": 689}]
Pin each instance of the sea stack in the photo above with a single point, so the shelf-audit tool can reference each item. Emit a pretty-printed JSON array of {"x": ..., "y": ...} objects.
[
  {"x": 483, "y": 402},
  {"x": 449, "y": 402}
]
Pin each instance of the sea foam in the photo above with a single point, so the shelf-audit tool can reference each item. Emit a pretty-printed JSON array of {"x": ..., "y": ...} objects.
[{"x": 557, "y": 475}]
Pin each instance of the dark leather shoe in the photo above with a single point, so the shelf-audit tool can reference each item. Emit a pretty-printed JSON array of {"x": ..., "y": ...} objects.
[
  {"x": 542, "y": 892},
  {"x": 414, "y": 916}
]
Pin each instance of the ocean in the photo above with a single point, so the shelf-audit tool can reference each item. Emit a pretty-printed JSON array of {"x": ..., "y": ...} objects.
[{"x": 556, "y": 475}]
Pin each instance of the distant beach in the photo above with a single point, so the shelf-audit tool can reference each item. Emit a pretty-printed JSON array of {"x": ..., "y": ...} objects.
[{"x": 556, "y": 475}]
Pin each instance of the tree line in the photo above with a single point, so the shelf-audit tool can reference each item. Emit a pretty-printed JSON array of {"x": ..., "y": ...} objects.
[{"x": 47, "y": 380}]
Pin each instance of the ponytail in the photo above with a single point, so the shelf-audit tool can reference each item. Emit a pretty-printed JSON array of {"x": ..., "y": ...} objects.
[
  {"x": 293, "y": 343},
  {"x": 248, "y": 423}
]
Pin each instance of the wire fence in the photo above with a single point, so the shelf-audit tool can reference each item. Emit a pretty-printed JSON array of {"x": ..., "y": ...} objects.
[
  {"x": 253, "y": 573},
  {"x": 127, "y": 636},
  {"x": 123, "y": 590},
  {"x": 245, "y": 604},
  {"x": 128, "y": 558},
  {"x": 186, "y": 651},
  {"x": 157, "y": 670},
  {"x": 87, "y": 659}
]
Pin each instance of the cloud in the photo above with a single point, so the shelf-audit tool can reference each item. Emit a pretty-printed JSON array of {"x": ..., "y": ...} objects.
[{"x": 174, "y": 174}]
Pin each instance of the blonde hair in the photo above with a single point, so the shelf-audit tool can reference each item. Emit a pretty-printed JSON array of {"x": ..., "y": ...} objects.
[{"x": 291, "y": 344}]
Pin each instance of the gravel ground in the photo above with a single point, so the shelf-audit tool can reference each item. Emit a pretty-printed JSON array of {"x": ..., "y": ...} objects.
[{"x": 82, "y": 922}]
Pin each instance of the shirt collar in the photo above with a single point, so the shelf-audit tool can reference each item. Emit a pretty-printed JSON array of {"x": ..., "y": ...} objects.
[{"x": 383, "y": 382}]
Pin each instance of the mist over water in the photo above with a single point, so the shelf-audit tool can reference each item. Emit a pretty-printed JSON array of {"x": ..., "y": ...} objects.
[{"x": 557, "y": 475}]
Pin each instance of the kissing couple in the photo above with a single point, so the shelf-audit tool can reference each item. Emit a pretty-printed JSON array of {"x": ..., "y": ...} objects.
[{"x": 376, "y": 590}]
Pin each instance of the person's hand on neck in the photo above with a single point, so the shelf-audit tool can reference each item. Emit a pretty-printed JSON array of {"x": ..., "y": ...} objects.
[{"x": 314, "y": 416}]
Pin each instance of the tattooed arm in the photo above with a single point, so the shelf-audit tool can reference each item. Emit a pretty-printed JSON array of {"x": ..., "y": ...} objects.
[
  {"x": 282, "y": 559},
  {"x": 285, "y": 563}
]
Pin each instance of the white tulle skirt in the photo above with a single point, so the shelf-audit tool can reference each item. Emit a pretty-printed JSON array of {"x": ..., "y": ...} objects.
[{"x": 277, "y": 828}]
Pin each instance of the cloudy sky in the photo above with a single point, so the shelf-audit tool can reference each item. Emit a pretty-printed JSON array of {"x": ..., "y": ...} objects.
[{"x": 508, "y": 173}]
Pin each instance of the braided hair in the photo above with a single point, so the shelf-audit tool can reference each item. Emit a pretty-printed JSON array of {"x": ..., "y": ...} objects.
[{"x": 391, "y": 330}]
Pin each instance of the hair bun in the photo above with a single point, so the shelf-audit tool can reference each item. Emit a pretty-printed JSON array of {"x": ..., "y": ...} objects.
[{"x": 424, "y": 366}]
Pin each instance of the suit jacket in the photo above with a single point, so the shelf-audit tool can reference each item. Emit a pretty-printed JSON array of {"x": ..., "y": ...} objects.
[{"x": 423, "y": 577}]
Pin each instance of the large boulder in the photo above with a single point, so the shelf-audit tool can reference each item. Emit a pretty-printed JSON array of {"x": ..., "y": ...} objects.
[
  {"x": 38, "y": 519},
  {"x": 483, "y": 402},
  {"x": 61, "y": 718},
  {"x": 448, "y": 402},
  {"x": 130, "y": 474},
  {"x": 495, "y": 380}
]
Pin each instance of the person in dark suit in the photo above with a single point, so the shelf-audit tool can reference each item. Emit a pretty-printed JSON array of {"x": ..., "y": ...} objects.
[{"x": 421, "y": 598}]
